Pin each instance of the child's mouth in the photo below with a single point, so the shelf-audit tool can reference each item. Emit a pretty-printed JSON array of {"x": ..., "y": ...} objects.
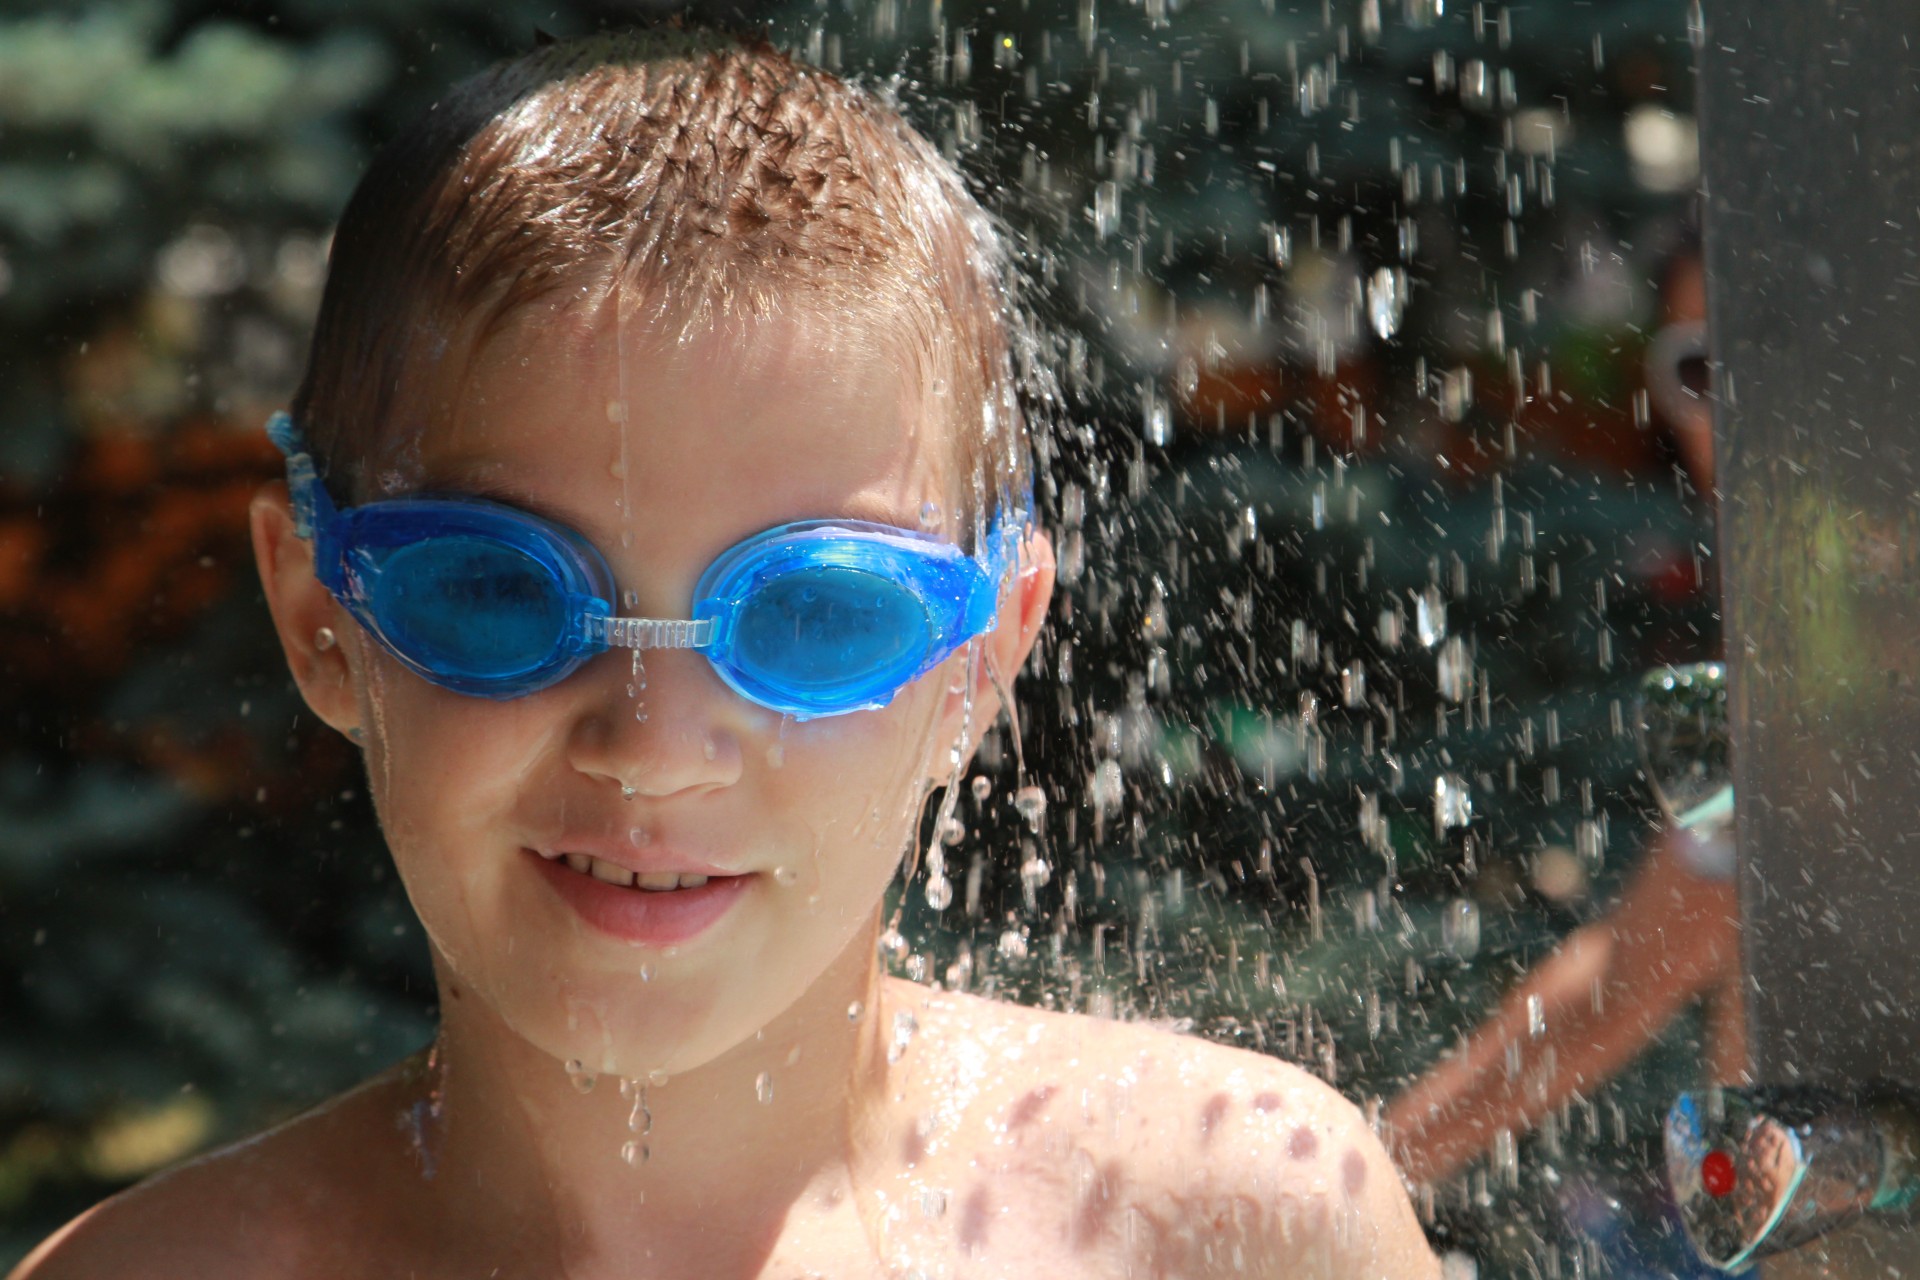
[
  {"x": 618, "y": 876},
  {"x": 654, "y": 908}
]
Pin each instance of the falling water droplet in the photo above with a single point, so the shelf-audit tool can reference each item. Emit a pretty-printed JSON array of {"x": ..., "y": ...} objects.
[
  {"x": 1460, "y": 928},
  {"x": 1035, "y": 872},
  {"x": 1031, "y": 803},
  {"x": 1386, "y": 301},
  {"x": 1157, "y": 420},
  {"x": 1280, "y": 246},
  {"x": 583, "y": 1080},
  {"x": 1430, "y": 617},
  {"x": 1452, "y": 670},
  {"x": 982, "y": 787},
  {"x": 637, "y": 686},
  {"x": 1452, "y": 802},
  {"x": 1108, "y": 786},
  {"x": 939, "y": 893},
  {"x": 1106, "y": 209},
  {"x": 904, "y": 1027}
]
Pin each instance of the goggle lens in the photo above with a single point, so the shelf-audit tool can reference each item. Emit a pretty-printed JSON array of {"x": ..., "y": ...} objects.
[
  {"x": 829, "y": 634},
  {"x": 468, "y": 607}
]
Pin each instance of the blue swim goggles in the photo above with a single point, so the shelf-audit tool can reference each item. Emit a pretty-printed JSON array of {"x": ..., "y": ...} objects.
[{"x": 815, "y": 618}]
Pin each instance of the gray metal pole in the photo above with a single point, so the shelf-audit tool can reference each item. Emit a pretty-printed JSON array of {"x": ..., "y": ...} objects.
[{"x": 1810, "y": 118}]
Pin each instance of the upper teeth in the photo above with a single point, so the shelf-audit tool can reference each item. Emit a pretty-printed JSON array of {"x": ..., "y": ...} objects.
[{"x": 612, "y": 873}]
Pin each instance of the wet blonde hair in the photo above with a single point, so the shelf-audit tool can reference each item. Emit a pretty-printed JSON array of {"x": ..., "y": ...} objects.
[{"x": 706, "y": 176}]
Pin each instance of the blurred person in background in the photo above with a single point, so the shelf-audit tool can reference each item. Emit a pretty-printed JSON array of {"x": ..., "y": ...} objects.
[{"x": 1612, "y": 987}]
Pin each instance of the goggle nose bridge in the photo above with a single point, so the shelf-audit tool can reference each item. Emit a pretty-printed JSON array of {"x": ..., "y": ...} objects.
[{"x": 651, "y": 633}]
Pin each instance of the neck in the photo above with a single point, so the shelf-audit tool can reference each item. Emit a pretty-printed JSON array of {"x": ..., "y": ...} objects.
[{"x": 683, "y": 1168}]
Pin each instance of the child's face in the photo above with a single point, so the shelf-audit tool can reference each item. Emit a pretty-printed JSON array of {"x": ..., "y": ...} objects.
[{"x": 663, "y": 456}]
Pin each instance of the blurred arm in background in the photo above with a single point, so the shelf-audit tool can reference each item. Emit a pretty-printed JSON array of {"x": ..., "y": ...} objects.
[{"x": 1612, "y": 986}]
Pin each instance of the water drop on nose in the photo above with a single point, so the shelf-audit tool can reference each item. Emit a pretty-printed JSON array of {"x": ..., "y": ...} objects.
[
  {"x": 763, "y": 1086},
  {"x": 708, "y": 749}
]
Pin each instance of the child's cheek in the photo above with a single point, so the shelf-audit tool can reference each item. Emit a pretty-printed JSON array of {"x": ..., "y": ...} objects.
[{"x": 856, "y": 780}]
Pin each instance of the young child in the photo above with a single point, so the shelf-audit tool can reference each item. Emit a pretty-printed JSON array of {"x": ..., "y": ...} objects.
[{"x": 657, "y": 524}]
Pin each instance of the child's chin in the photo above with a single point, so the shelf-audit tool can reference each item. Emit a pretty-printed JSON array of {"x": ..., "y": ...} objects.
[{"x": 611, "y": 1028}]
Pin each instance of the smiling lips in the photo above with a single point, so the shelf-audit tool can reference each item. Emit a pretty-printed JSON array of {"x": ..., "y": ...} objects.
[
  {"x": 649, "y": 908},
  {"x": 615, "y": 874}
]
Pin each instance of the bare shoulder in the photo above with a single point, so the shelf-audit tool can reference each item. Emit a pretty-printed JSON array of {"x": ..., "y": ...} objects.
[
  {"x": 283, "y": 1204},
  {"x": 1213, "y": 1160}
]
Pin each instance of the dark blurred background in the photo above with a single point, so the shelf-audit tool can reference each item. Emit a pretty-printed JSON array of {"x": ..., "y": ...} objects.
[{"x": 1373, "y": 488}]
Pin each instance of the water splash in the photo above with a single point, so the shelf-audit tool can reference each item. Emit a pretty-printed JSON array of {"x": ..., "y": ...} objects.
[{"x": 905, "y": 1027}]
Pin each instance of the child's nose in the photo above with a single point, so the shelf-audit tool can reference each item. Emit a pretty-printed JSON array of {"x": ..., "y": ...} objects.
[{"x": 659, "y": 728}]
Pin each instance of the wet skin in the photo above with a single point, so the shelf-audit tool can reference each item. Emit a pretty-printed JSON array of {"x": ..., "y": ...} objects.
[
  {"x": 1017, "y": 1143},
  {"x": 784, "y": 1133}
]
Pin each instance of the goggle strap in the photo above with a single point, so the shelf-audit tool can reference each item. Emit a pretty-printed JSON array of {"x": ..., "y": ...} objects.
[
  {"x": 303, "y": 482},
  {"x": 650, "y": 633}
]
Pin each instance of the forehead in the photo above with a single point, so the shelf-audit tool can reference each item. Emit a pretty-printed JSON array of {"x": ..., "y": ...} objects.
[{"x": 616, "y": 419}]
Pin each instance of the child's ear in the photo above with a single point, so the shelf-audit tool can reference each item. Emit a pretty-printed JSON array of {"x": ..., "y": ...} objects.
[
  {"x": 1023, "y": 610},
  {"x": 314, "y": 630}
]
